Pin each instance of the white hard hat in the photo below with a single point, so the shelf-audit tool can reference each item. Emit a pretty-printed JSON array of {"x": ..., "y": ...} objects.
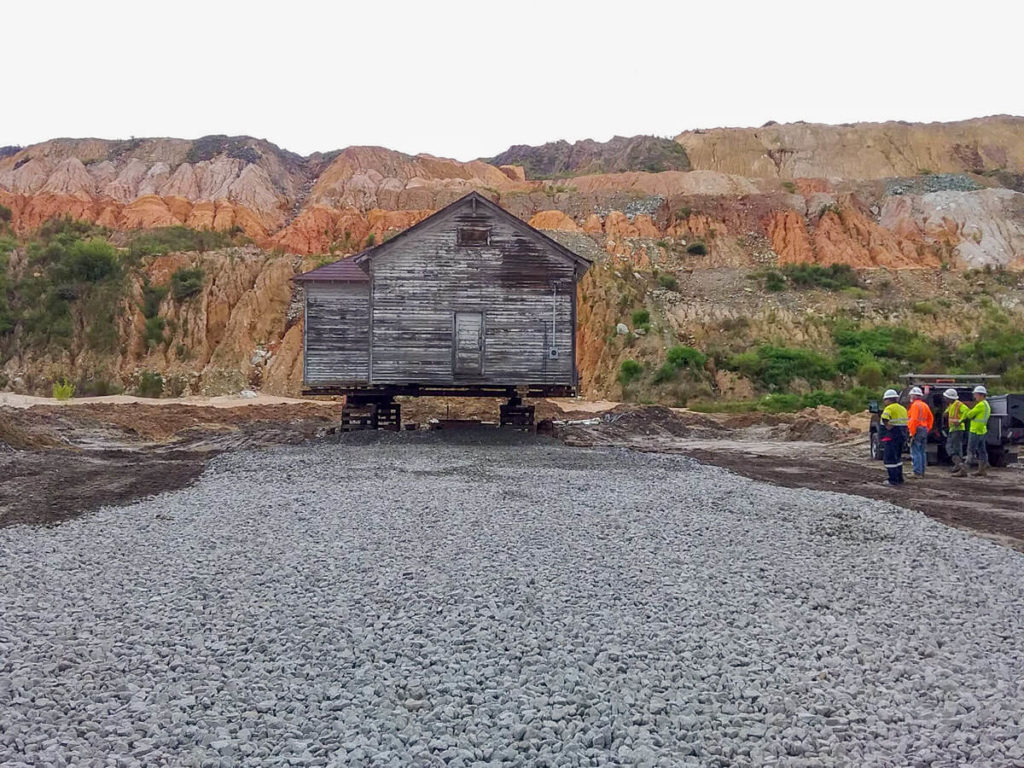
[
  {"x": 890, "y": 393},
  {"x": 980, "y": 390},
  {"x": 916, "y": 391},
  {"x": 950, "y": 394}
]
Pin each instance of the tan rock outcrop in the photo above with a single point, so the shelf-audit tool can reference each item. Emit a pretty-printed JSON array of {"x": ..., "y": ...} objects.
[
  {"x": 514, "y": 172},
  {"x": 861, "y": 150},
  {"x": 553, "y": 220}
]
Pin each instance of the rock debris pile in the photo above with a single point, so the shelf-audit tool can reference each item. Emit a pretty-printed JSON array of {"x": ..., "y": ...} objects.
[{"x": 423, "y": 600}]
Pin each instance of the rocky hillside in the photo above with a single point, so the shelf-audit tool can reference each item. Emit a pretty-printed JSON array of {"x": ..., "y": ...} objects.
[
  {"x": 860, "y": 150},
  {"x": 718, "y": 255},
  {"x": 560, "y": 158}
]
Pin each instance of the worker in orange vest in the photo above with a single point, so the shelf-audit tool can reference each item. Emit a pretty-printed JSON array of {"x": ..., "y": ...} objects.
[{"x": 919, "y": 423}]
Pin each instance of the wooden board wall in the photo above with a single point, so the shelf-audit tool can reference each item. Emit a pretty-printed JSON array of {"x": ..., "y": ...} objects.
[
  {"x": 517, "y": 282},
  {"x": 337, "y": 333}
]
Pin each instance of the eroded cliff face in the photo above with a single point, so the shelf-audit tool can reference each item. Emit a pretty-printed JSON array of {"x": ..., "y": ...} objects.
[
  {"x": 860, "y": 150},
  {"x": 744, "y": 181},
  {"x": 241, "y": 329},
  {"x": 891, "y": 197}
]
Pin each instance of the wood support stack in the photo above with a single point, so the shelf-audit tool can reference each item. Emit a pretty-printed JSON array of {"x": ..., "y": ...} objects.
[
  {"x": 358, "y": 414},
  {"x": 516, "y": 415}
]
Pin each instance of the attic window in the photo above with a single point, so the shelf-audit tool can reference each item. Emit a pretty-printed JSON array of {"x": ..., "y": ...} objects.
[{"x": 474, "y": 236}]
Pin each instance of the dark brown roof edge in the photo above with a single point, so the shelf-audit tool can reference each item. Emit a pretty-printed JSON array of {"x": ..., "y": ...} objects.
[{"x": 345, "y": 270}]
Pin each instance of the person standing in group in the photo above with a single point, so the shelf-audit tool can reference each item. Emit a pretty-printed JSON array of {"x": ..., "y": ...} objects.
[
  {"x": 977, "y": 437},
  {"x": 919, "y": 423},
  {"x": 894, "y": 423},
  {"x": 955, "y": 414}
]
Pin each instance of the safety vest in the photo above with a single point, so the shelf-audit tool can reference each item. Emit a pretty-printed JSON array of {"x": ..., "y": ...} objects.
[
  {"x": 955, "y": 416},
  {"x": 979, "y": 416},
  {"x": 896, "y": 416},
  {"x": 919, "y": 415}
]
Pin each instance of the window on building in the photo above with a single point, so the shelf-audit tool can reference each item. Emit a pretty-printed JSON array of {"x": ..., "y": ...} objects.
[{"x": 474, "y": 236}]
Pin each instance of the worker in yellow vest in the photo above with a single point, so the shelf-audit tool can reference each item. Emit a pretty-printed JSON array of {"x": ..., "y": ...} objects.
[
  {"x": 894, "y": 433},
  {"x": 955, "y": 415},
  {"x": 977, "y": 437}
]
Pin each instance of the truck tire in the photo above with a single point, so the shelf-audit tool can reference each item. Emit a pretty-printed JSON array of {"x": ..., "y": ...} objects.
[
  {"x": 875, "y": 446},
  {"x": 997, "y": 457}
]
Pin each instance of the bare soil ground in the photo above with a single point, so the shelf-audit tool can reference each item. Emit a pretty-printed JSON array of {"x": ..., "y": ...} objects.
[{"x": 57, "y": 462}]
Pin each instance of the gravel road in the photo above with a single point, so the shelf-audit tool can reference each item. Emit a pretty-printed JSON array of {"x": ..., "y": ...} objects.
[{"x": 428, "y": 600}]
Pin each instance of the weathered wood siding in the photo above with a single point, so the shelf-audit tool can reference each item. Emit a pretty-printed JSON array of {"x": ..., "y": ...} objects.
[
  {"x": 337, "y": 333},
  {"x": 523, "y": 288}
]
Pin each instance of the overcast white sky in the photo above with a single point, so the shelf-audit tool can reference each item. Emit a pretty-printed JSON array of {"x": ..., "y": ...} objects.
[{"x": 467, "y": 79}]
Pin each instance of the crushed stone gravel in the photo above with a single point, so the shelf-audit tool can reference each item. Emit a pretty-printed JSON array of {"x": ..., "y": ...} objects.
[{"x": 416, "y": 600}]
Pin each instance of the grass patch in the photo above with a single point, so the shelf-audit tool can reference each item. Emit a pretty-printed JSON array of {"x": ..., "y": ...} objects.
[{"x": 157, "y": 242}]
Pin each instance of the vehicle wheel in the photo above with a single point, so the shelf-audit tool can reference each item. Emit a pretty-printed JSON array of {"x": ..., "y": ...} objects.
[{"x": 875, "y": 447}]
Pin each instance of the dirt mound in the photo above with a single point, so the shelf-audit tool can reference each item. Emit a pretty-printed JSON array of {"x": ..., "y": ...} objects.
[{"x": 628, "y": 422}]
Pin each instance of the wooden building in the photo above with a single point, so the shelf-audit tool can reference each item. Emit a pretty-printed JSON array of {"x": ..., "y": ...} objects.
[{"x": 471, "y": 301}]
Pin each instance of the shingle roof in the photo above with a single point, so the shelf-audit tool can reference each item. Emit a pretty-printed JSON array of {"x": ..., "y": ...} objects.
[{"x": 344, "y": 270}]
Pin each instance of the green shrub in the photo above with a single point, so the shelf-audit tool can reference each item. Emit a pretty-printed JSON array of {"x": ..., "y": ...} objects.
[
  {"x": 667, "y": 372},
  {"x": 5, "y": 214},
  {"x": 871, "y": 375},
  {"x": 151, "y": 384},
  {"x": 697, "y": 248},
  {"x": 924, "y": 308},
  {"x": 668, "y": 282},
  {"x": 998, "y": 348},
  {"x": 63, "y": 390},
  {"x": 371, "y": 240},
  {"x": 90, "y": 261},
  {"x": 833, "y": 277},
  {"x": 683, "y": 213},
  {"x": 789, "y": 186},
  {"x": 152, "y": 295},
  {"x": 775, "y": 367},
  {"x": 154, "y": 333},
  {"x": 186, "y": 282},
  {"x": 685, "y": 357},
  {"x": 641, "y": 317},
  {"x": 628, "y": 371},
  {"x": 774, "y": 281}
]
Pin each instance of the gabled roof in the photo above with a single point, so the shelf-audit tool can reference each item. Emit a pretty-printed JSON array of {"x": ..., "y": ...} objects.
[
  {"x": 346, "y": 271},
  {"x": 351, "y": 268},
  {"x": 498, "y": 211}
]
